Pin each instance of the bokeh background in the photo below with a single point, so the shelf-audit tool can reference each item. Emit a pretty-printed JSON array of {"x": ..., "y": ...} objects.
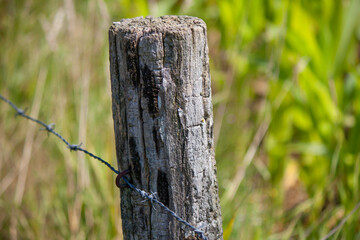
[{"x": 286, "y": 95}]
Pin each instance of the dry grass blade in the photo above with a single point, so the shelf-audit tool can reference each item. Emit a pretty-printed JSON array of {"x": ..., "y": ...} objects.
[
  {"x": 29, "y": 141},
  {"x": 335, "y": 229}
]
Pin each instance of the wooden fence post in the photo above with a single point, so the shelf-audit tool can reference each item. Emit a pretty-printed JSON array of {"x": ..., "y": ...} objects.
[{"x": 163, "y": 123}]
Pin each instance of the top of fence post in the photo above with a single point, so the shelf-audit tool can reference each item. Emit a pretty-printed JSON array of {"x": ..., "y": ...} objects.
[{"x": 163, "y": 125}]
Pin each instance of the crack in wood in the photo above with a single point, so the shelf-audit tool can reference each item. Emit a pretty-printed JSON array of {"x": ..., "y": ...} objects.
[
  {"x": 132, "y": 61},
  {"x": 163, "y": 188},
  {"x": 157, "y": 140},
  {"x": 150, "y": 91},
  {"x": 135, "y": 159}
]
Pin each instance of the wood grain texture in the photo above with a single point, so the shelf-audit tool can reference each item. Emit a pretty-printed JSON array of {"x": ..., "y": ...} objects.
[{"x": 163, "y": 125}]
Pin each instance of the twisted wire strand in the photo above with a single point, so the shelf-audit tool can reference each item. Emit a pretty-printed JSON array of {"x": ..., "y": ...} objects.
[
  {"x": 50, "y": 128},
  {"x": 77, "y": 147}
]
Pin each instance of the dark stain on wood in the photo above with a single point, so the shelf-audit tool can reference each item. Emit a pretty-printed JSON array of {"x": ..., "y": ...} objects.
[
  {"x": 156, "y": 139},
  {"x": 150, "y": 91},
  {"x": 132, "y": 61},
  {"x": 135, "y": 159},
  {"x": 210, "y": 142},
  {"x": 163, "y": 188}
]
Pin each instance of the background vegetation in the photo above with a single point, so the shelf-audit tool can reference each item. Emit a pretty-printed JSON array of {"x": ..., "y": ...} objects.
[{"x": 286, "y": 92}]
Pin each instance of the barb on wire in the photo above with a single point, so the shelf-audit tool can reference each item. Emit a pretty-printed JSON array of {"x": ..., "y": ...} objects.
[
  {"x": 152, "y": 199},
  {"x": 77, "y": 147},
  {"x": 50, "y": 129}
]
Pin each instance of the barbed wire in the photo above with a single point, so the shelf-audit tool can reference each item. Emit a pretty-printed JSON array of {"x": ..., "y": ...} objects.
[{"x": 77, "y": 147}]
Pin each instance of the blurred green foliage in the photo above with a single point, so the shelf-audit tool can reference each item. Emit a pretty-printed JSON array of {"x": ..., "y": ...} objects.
[{"x": 286, "y": 94}]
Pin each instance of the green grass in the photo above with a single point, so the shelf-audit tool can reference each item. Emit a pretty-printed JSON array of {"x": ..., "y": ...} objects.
[{"x": 286, "y": 94}]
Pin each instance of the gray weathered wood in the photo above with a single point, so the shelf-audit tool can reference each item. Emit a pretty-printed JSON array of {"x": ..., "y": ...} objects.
[{"x": 164, "y": 125}]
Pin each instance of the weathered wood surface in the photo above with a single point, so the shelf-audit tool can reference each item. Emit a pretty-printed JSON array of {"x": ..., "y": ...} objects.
[{"x": 164, "y": 125}]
